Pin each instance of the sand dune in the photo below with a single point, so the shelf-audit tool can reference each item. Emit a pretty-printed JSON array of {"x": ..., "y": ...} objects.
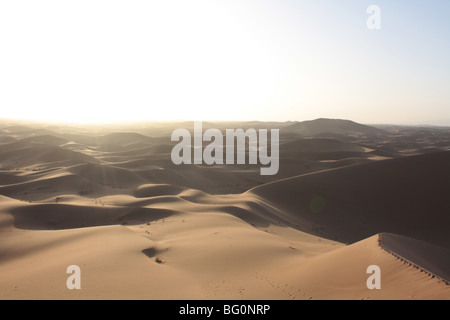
[
  {"x": 61, "y": 216},
  {"x": 110, "y": 200},
  {"x": 431, "y": 259},
  {"x": 405, "y": 196},
  {"x": 331, "y": 126},
  {"x": 321, "y": 149},
  {"x": 44, "y": 139},
  {"x": 106, "y": 175},
  {"x": 17, "y": 155},
  {"x": 6, "y": 139},
  {"x": 342, "y": 273},
  {"x": 153, "y": 190},
  {"x": 52, "y": 187}
]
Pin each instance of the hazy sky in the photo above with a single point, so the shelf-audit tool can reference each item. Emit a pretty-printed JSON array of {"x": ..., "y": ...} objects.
[{"x": 224, "y": 60}]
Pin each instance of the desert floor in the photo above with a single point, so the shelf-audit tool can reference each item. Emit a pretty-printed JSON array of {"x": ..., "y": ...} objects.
[{"x": 110, "y": 200}]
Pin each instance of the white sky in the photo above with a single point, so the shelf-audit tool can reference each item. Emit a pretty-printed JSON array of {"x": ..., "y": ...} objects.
[{"x": 101, "y": 61}]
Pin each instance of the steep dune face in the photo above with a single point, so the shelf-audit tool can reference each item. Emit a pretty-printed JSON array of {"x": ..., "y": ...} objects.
[
  {"x": 432, "y": 259},
  {"x": 321, "y": 149},
  {"x": 343, "y": 273},
  {"x": 408, "y": 196}
]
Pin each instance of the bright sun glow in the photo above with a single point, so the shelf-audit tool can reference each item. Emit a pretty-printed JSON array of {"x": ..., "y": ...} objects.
[{"x": 116, "y": 60}]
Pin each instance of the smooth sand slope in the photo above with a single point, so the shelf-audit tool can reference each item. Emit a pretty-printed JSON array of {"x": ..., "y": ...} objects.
[
  {"x": 339, "y": 274},
  {"x": 207, "y": 254}
]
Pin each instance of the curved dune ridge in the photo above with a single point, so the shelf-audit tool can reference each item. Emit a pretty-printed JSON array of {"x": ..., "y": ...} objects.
[
  {"x": 153, "y": 190},
  {"x": 407, "y": 196},
  {"x": 431, "y": 259},
  {"x": 111, "y": 201}
]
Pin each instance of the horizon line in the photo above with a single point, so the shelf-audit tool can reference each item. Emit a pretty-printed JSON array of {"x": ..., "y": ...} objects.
[{"x": 136, "y": 122}]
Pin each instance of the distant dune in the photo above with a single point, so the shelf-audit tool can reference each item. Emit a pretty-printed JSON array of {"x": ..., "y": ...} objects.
[
  {"x": 330, "y": 126},
  {"x": 17, "y": 154}
]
